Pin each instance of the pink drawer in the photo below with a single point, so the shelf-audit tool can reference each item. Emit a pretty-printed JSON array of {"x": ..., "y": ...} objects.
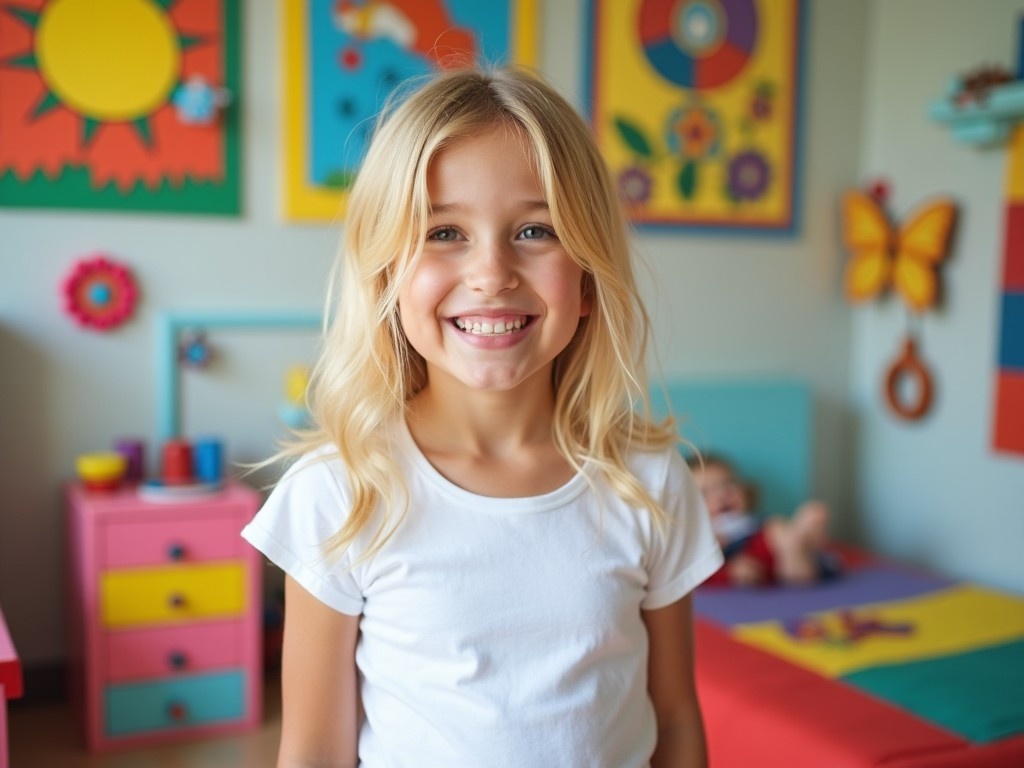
[
  {"x": 161, "y": 542},
  {"x": 138, "y": 654}
]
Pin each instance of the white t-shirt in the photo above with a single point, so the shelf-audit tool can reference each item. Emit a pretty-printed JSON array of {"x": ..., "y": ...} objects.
[{"x": 498, "y": 632}]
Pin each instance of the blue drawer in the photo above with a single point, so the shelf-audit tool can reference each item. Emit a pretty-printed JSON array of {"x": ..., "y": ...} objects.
[{"x": 175, "y": 703}]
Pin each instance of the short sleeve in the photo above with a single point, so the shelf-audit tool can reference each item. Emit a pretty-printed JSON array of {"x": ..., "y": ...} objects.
[
  {"x": 308, "y": 506},
  {"x": 685, "y": 553}
]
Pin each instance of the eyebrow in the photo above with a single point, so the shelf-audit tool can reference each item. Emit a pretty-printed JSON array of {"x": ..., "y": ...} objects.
[{"x": 528, "y": 206}]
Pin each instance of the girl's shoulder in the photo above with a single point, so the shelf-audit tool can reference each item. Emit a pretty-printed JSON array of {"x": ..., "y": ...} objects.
[
  {"x": 319, "y": 471},
  {"x": 309, "y": 503},
  {"x": 322, "y": 471},
  {"x": 659, "y": 468}
]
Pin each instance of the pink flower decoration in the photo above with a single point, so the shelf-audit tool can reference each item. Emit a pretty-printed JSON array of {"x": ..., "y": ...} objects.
[{"x": 99, "y": 293}]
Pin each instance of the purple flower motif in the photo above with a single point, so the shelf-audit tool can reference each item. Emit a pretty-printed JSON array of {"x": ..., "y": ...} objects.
[
  {"x": 635, "y": 185},
  {"x": 749, "y": 175}
]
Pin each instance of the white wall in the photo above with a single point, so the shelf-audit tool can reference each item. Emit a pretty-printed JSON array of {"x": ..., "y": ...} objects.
[
  {"x": 935, "y": 492},
  {"x": 725, "y": 306}
]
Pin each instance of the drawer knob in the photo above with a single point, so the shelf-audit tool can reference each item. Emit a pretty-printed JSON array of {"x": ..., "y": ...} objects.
[
  {"x": 176, "y": 551},
  {"x": 177, "y": 711},
  {"x": 176, "y": 600},
  {"x": 177, "y": 660}
]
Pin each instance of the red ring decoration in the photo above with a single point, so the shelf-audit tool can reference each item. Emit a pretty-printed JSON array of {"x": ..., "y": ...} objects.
[
  {"x": 909, "y": 365},
  {"x": 99, "y": 293}
]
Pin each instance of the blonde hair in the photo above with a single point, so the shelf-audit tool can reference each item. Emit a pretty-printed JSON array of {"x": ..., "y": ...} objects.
[{"x": 367, "y": 370}]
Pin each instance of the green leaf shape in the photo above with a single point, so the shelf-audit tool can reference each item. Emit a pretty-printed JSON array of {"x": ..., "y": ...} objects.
[
  {"x": 687, "y": 180},
  {"x": 634, "y": 137}
]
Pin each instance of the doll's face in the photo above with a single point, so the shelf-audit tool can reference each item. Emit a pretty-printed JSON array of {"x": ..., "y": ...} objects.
[{"x": 721, "y": 490}]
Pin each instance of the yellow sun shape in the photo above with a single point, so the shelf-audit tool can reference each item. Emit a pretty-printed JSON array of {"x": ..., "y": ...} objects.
[{"x": 115, "y": 61}]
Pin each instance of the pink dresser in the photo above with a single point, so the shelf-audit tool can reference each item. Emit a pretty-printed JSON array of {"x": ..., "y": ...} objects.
[
  {"x": 165, "y": 615},
  {"x": 10, "y": 684}
]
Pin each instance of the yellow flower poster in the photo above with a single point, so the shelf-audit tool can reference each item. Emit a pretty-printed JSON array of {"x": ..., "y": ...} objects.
[{"x": 696, "y": 105}]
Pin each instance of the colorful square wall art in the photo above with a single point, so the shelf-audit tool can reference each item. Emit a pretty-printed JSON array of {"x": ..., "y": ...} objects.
[
  {"x": 344, "y": 57},
  {"x": 120, "y": 104},
  {"x": 695, "y": 105},
  {"x": 1008, "y": 432}
]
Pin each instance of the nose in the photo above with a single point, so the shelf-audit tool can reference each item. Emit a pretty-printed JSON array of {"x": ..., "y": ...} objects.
[{"x": 491, "y": 267}]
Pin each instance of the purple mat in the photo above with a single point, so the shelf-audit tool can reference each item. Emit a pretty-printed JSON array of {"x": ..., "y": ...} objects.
[{"x": 729, "y": 606}]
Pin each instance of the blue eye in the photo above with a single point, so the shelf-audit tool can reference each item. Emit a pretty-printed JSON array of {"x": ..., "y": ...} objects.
[
  {"x": 443, "y": 234},
  {"x": 536, "y": 232}
]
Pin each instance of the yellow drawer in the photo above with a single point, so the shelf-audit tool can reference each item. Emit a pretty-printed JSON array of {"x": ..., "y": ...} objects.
[{"x": 171, "y": 594}]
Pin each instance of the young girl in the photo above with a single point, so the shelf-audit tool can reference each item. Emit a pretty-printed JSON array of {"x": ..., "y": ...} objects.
[{"x": 489, "y": 550}]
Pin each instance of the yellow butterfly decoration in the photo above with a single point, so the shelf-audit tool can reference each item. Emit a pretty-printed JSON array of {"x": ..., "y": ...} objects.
[{"x": 883, "y": 255}]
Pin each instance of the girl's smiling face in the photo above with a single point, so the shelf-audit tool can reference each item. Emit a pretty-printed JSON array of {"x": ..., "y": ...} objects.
[{"x": 493, "y": 298}]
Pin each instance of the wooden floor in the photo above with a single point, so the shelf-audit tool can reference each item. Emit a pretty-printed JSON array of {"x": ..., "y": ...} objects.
[{"x": 47, "y": 736}]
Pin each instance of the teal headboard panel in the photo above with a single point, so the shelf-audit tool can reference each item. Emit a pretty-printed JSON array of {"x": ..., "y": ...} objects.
[{"x": 763, "y": 426}]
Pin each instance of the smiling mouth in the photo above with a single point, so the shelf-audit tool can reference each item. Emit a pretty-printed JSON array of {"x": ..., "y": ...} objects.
[{"x": 489, "y": 328}]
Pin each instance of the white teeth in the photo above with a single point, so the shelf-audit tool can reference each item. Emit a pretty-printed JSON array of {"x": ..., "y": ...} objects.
[{"x": 489, "y": 329}]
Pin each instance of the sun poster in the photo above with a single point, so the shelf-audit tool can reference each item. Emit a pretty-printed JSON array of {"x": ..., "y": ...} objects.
[
  {"x": 120, "y": 104},
  {"x": 696, "y": 107},
  {"x": 343, "y": 58}
]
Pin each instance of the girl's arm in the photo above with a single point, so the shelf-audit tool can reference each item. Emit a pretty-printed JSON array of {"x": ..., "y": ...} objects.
[
  {"x": 319, "y": 684},
  {"x": 670, "y": 683}
]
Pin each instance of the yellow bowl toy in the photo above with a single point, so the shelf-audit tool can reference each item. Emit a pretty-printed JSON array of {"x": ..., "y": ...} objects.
[{"x": 101, "y": 471}]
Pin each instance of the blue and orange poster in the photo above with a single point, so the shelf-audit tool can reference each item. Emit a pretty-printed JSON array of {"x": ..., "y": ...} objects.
[{"x": 343, "y": 58}]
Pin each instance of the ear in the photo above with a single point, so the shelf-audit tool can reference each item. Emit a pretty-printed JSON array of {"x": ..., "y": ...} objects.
[{"x": 586, "y": 295}]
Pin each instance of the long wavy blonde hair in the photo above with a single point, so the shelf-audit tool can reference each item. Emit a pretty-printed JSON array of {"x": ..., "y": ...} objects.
[{"x": 367, "y": 371}]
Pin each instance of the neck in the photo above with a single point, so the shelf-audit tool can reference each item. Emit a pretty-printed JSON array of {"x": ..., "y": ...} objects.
[
  {"x": 494, "y": 443},
  {"x": 447, "y": 417}
]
